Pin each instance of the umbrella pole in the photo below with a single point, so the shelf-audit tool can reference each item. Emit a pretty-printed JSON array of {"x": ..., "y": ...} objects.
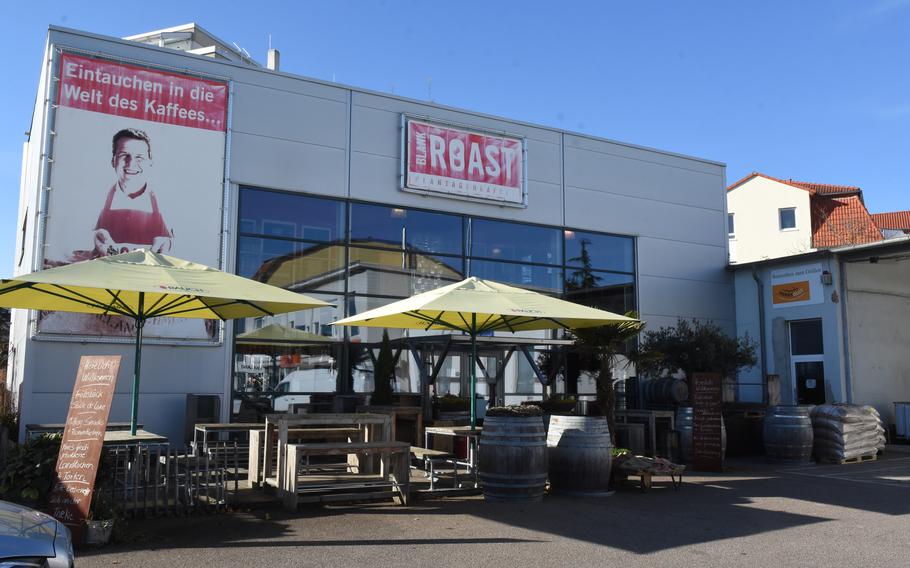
[
  {"x": 473, "y": 403},
  {"x": 140, "y": 323}
]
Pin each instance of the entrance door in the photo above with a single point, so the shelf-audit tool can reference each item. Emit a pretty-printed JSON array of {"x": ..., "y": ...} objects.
[
  {"x": 810, "y": 382},
  {"x": 807, "y": 361}
]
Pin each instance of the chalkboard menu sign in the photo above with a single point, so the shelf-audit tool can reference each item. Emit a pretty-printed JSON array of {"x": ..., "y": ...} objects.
[
  {"x": 707, "y": 418},
  {"x": 83, "y": 437}
]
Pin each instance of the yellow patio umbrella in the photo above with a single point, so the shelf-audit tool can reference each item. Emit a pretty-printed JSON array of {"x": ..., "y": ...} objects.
[
  {"x": 277, "y": 336},
  {"x": 475, "y": 306},
  {"x": 274, "y": 339},
  {"x": 141, "y": 285}
]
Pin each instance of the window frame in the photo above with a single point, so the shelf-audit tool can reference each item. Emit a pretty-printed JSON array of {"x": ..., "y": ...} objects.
[{"x": 780, "y": 219}]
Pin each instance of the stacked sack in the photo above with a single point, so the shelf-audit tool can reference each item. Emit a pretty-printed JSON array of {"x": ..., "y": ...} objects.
[{"x": 846, "y": 431}]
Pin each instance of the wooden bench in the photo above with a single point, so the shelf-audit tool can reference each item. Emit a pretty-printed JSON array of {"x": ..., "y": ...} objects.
[{"x": 393, "y": 478}]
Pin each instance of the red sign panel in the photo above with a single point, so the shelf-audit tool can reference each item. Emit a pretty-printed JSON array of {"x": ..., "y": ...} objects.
[
  {"x": 83, "y": 436},
  {"x": 136, "y": 92},
  {"x": 453, "y": 161}
]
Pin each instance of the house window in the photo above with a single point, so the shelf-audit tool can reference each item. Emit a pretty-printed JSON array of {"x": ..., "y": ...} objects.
[
  {"x": 730, "y": 232},
  {"x": 787, "y": 218}
]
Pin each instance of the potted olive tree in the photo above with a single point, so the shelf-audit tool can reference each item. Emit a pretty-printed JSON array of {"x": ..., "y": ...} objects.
[{"x": 383, "y": 374}]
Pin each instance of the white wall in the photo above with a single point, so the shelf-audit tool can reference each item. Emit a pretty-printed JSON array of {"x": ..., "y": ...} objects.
[
  {"x": 755, "y": 205},
  {"x": 878, "y": 311}
]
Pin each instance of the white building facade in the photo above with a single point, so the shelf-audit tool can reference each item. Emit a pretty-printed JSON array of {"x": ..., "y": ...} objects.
[{"x": 767, "y": 219}]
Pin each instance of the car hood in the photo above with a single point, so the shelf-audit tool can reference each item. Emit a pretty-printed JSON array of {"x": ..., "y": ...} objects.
[{"x": 25, "y": 532}]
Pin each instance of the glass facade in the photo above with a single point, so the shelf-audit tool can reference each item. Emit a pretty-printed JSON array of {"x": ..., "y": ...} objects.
[{"x": 359, "y": 256}]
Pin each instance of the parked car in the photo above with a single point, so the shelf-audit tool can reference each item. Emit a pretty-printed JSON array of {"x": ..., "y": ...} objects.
[
  {"x": 309, "y": 380},
  {"x": 29, "y": 538},
  {"x": 318, "y": 379}
]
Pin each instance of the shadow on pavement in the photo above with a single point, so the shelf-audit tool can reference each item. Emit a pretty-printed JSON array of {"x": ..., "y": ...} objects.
[{"x": 750, "y": 499}]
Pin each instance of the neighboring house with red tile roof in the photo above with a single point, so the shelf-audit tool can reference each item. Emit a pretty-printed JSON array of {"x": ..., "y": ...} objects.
[
  {"x": 893, "y": 224},
  {"x": 770, "y": 217}
]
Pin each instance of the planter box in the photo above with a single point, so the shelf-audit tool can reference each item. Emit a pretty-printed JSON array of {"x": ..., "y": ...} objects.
[{"x": 98, "y": 532}]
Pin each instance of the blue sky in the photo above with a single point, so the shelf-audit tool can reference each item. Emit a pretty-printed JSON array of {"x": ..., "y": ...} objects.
[{"x": 810, "y": 90}]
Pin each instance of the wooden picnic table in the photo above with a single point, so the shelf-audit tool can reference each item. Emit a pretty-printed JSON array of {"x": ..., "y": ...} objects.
[
  {"x": 358, "y": 480},
  {"x": 410, "y": 413},
  {"x": 257, "y": 474},
  {"x": 373, "y": 427}
]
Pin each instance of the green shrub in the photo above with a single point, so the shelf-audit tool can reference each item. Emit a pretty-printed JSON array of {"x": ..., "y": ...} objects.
[{"x": 29, "y": 471}]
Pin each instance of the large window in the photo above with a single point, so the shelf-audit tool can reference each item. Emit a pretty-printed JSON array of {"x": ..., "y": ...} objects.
[
  {"x": 410, "y": 229},
  {"x": 498, "y": 240},
  {"x": 359, "y": 256},
  {"x": 284, "y": 215},
  {"x": 600, "y": 252}
]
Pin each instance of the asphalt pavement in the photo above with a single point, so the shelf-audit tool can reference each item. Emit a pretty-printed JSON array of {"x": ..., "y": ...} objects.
[{"x": 754, "y": 514}]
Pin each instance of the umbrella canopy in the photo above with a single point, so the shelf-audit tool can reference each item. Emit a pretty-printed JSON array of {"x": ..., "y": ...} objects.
[
  {"x": 277, "y": 336},
  {"x": 143, "y": 285},
  {"x": 476, "y": 306}
]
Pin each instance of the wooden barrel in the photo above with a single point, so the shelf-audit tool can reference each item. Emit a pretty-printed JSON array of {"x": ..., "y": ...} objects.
[
  {"x": 512, "y": 458},
  {"x": 788, "y": 434},
  {"x": 684, "y": 427},
  {"x": 666, "y": 390},
  {"x": 579, "y": 454}
]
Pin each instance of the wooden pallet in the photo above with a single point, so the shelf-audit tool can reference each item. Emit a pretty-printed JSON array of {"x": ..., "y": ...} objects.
[{"x": 860, "y": 459}]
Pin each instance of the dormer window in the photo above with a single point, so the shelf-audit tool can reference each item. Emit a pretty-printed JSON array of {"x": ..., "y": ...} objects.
[{"x": 787, "y": 217}]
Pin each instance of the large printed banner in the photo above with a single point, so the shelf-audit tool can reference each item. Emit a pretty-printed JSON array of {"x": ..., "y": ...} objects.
[
  {"x": 138, "y": 162},
  {"x": 797, "y": 286},
  {"x": 452, "y": 161}
]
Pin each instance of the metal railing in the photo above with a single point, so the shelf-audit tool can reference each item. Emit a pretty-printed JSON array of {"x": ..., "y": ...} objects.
[{"x": 158, "y": 480}]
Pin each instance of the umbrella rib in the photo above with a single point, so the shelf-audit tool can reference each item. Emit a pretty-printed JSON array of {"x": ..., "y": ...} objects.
[
  {"x": 432, "y": 321},
  {"x": 17, "y": 287},
  {"x": 115, "y": 299},
  {"x": 212, "y": 307},
  {"x": 89, "y": 302},
  {"x": 261, "y": 309},
  {"x": 170, "y": 311},
  {"x": 467, "y": 326},
  {"x": 158, "y": 301},
  {"x": 557, "y": 322},
  {"x": 176, "y": 302},
  {"x": 177, "y": 313},
  {"x": 505, "y": 322},
  {"x": 483, "y": 326}
]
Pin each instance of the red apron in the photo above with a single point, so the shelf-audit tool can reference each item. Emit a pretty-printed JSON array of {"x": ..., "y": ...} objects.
[{"x": 131, "y": 226}]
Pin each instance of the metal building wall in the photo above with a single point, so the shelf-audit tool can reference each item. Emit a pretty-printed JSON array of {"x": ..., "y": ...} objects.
[{"x": 297, "y": 134}]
